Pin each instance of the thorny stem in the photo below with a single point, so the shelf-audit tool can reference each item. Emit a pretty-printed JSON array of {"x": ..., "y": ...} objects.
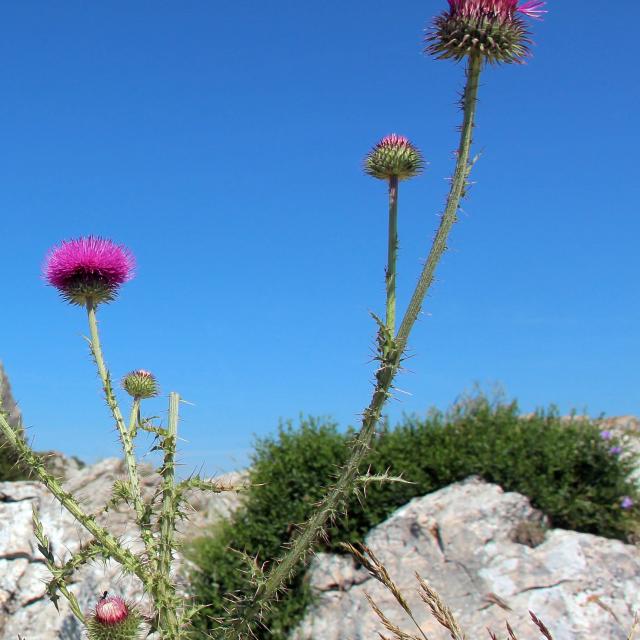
[
  {"x": 134, "y": 419},
  {"x": 392, "y": 253},
  {"x": 106, "y": 539},
  {"x": 125, "y": 436},
  {"x": 285, "y": 567},
  {"x": 458, "y": 186},
  {"x": 165, "y": 591}
]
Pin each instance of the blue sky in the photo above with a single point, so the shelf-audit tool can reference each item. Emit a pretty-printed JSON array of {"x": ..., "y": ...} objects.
[{"x": 223, "y": 143}]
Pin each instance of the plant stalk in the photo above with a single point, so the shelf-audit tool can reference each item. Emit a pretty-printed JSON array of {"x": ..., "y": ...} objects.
[
  {"x": 108, "y": 542},
  {"x": 165, "y": 590},
  {"x": 391, "y": 355},
  {"x": 125, "y": 436},
  {"x": 458, "y": 186},
  {"x": 392, "y": 253},
  {"x": 134, "y": 419}
]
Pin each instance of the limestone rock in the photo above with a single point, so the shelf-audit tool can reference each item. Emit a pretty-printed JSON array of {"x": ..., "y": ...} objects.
[
  {"x": 466, "y": 542},
  {"x": 24, "y": 607}
]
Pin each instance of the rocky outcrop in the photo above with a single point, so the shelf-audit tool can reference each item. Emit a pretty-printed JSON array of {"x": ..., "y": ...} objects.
[
  {"x": 24, "y": 607},
  {"x": 486, "y": 552}
]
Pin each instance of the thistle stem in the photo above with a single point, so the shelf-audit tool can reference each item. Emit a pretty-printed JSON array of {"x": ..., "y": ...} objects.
[
  {"x": 125, "y": 437},
  {"x": 392, "y": 253},
  {"x": 108, "y": 542},
  {"x": 458, "y": 185},
  {"x": 134, "y": 419},
  {"x": 337, "y": 495},
  {"x": 165, "y": 591}
]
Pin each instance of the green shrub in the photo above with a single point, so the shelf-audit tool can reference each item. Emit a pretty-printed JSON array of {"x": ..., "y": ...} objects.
[
  {"x": 10, "y": 468},
  {"x": 565, "y": 468}
]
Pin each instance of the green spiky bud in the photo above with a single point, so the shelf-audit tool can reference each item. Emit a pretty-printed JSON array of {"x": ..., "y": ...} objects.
[
  {"x": 140, "y": 384},
  {"x": 492, "y": 29},
  {"x": 393, "y": 156},
  {"x": 114, "y": 619}
]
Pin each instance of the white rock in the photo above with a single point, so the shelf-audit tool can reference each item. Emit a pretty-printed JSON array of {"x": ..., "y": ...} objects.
[{"x": 461, "y": 541}]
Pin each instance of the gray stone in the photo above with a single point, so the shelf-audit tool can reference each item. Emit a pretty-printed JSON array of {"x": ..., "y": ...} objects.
[{"x": 461, "y": 541}]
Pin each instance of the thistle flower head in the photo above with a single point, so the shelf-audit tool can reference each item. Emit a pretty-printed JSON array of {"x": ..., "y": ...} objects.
[
  {"x": 140, "y": 384},
  {"x": 111, "y": 611},
  {"x": 615, "y": 451},
  {"x": 626, "y": 502},
  {"x": 114, "y": 619},
  {"x": 493, "y": 29},
  {"x": 393, "y": 156},
  {"x": 606, "y": 434},
  {"x": 88, "y": 269}
]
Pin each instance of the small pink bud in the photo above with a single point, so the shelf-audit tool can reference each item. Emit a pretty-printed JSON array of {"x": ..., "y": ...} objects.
[
  {"x": 114, "y": 619},
  {"x": 140, "y": 384},
  {"x": 111, "y": 611}
]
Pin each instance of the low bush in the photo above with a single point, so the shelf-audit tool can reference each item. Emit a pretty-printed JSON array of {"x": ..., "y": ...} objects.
[{"x": 564, "y": 467}]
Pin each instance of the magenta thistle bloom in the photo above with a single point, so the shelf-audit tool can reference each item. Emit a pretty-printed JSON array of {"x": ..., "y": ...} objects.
[
  {"x": 606, "y": 434},
  {"x": 393, "y": 156},
  {"x": 626, "y": 502},
  {"x": 89, "y": 269},
  {"x": 615, "y": 451},
  {"x": 493, "y": 29}
]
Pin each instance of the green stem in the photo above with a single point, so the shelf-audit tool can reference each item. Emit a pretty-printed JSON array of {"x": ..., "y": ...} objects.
[
  {"x": 392, "y": 253},
  {"x": 285, "y": 567},
  {"x": 108, "y": 542},
  {"x": 458, "y": 185},
  {"x": 165, "y": 590},
  {"x": 134, "y": 419},
  {"x": 125, "y": 439}
]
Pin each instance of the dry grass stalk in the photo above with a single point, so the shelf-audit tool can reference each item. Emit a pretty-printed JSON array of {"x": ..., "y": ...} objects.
[
  {"x": 636, "y": 622},
  {"x": 510, "y": 631},
  {"x": 439, "y": 609},
  {"x": 543, "y": 630},
  {"x": 397, "y": 632},
  {"x": 365, "y": 556}
]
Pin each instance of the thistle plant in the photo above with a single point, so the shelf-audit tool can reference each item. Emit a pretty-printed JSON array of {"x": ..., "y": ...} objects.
[{"x": 89, "y": 272}]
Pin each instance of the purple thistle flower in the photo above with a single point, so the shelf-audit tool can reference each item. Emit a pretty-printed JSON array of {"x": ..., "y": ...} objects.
[
  {"x": 503, "y": 10},
  {"x": 606, "y": 434},
  {"x": 88, "y": 269},
  {"x": 626, "y": 502},
  {"x": 492, "y": 29},
  {"x": 616, "y": 451}
]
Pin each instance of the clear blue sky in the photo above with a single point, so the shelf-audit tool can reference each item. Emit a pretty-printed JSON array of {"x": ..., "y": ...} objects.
[{"x": 223, "y": 142}]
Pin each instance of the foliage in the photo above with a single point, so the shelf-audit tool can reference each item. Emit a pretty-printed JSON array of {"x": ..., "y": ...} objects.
[
  {"x": 10, "y": 467},
  {"x": 564, "y": 467}
]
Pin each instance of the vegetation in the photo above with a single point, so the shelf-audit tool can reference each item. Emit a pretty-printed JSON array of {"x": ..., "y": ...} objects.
[{"x": 564, "y": 467}]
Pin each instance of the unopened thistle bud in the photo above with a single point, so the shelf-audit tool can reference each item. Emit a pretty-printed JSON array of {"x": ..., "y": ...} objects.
[
  {"x": 114, "y": 619},
  {"x": 393, "y": 156},
  {"x": 493, "y": 29},
  {"x": 140, "y": 384},
  {"x": 88, "y": 269}
]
